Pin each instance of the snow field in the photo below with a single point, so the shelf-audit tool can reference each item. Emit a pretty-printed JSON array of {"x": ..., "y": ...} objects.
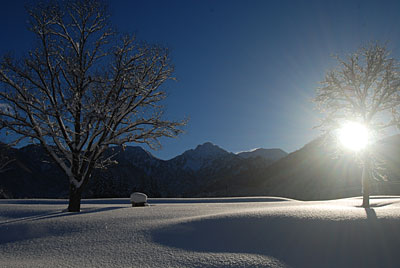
[{"x": 222, "y": 232}]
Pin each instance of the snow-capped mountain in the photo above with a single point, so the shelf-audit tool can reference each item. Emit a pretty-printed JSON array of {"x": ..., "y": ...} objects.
[
  {"x": 207, "y": 170},
  {"x": 205, "y": 151},
  {"x": 268, "y": 154},
  {"x": 202, "y": 156},
  {"x": 196, "y": 172}
]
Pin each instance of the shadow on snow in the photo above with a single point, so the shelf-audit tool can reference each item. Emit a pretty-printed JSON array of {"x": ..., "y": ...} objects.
[
  {"x": 21, "y": 228},
  {"x": 369, "y": 242}
]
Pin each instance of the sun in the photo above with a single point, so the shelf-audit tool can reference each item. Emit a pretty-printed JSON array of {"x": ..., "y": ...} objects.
[{"x": 353, "y": 136}]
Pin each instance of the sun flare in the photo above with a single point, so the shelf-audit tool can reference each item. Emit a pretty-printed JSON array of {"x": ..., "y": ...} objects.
[{"x": 353, "y": 136}]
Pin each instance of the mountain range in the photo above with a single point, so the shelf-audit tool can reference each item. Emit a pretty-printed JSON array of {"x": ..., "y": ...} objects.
[{"x": 310, "y": 173}]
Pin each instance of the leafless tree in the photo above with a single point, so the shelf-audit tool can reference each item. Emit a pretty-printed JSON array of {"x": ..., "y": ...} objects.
[
  {"x": 84, "y": 88},
  {"x": 365, "y": 87}
]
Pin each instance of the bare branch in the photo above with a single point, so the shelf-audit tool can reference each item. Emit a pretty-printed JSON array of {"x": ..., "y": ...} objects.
[
  {"x": 364, "y": 87},
  {"x": 84, "y": 88}
]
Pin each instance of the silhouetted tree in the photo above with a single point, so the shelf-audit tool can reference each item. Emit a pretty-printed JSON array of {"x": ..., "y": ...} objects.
[
  {"x": 365, "y": 87},
  {"x": 84, "y": 88}
]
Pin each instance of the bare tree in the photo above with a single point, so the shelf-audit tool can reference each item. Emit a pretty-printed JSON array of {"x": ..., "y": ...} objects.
[
  {"x": 84, "y": 88},
  {"x": 365, "y": 87}
]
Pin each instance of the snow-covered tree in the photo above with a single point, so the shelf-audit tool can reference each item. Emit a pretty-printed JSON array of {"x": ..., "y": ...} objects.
[
  {"x": 365, "y": 88},
  {"x": 83, "y": 88}
]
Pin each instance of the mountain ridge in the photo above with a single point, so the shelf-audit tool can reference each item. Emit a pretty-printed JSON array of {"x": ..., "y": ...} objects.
[
  {"x": 137, "y": 170},
  {"x": 310, "y": 173},
  {"x": 271, "y": 154}
]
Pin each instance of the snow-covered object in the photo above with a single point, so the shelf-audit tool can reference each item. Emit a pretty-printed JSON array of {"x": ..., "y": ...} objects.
[{"x": 138, "y": 199}]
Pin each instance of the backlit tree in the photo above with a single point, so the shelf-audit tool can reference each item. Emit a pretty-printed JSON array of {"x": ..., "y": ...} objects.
[{"x": 363, "y": 88}]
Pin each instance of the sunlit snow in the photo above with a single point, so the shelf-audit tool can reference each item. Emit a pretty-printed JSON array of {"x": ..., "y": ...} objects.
[{"x": 215, "y": 232}]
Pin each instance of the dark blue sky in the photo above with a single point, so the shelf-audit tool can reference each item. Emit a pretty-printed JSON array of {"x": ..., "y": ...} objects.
[{"x": 246, "y": 70}]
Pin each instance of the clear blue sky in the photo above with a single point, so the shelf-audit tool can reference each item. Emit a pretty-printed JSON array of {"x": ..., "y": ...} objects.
[{"x": 246, "y": 70}]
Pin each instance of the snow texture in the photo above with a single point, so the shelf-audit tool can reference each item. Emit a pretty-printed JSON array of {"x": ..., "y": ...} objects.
[{"x": 217, "y": 232}]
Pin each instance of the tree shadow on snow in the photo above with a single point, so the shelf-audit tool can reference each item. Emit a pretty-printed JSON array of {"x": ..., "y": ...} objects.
[
  {"x": 26, "y": 228},
  {"x": 297, "y": 242},
  {"x": 100, "y": 201},
  {"x": 58, "y": 214}
]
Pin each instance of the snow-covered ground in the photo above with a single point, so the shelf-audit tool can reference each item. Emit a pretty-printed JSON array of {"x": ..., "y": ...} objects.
[{"x": 227, "y": 232}]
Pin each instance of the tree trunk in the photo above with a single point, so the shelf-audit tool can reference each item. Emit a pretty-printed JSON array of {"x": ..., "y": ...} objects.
[
  {"x": 365, "y": 184},
  {"x": 74, "y": 198}
]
